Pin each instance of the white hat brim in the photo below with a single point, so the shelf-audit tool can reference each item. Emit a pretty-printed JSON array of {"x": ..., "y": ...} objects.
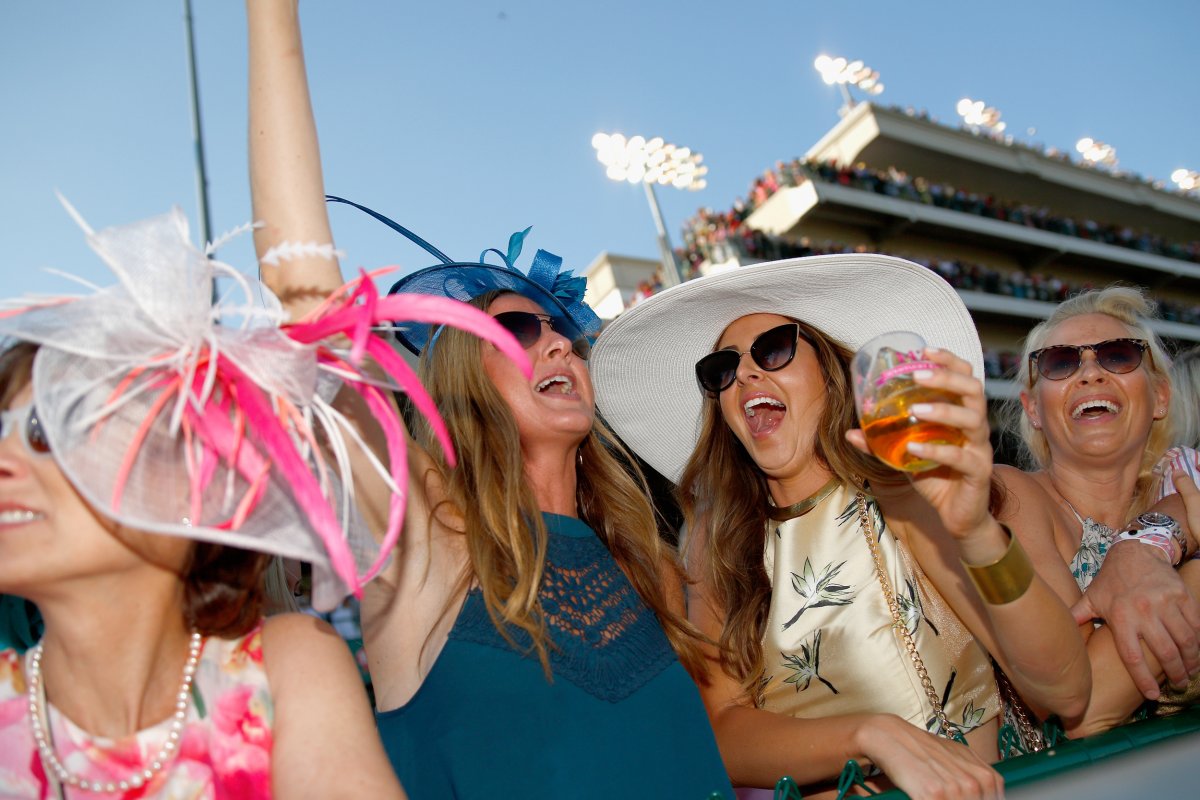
[{"x": 643, "y": 365}]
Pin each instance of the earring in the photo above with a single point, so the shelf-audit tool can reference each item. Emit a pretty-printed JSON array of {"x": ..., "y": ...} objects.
[{"x": 1037, "y": 426}]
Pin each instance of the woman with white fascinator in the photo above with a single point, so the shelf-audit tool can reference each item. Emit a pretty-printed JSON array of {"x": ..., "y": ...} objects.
[
  {"x": 155, "y": 451},
  {"x": 854, "y": 605},
  {"x": 157, "y": 447}
]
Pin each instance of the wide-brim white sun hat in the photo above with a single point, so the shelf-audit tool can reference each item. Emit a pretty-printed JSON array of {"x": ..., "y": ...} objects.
[{"x": 643, "y": 365}]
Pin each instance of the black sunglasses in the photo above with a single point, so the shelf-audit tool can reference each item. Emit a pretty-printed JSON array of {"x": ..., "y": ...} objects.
[
  {"x": 25, "y": 419},
  {"x": 771, "y": 350},
  {"x": 526, "y": 328},
  {"x": 1061, "y": 361}
]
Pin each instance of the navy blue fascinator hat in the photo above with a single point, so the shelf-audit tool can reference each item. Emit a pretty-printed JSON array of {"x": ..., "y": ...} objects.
[{"x": 559, "y": 292}]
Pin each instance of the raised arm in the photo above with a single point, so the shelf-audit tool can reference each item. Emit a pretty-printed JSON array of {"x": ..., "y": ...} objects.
[
  {"x": 947, "y": 525},
  {"x": 285, "y": 161}
]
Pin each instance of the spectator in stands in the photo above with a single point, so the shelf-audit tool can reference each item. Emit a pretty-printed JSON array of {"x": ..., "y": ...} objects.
[{"x": 893, "y": 182}]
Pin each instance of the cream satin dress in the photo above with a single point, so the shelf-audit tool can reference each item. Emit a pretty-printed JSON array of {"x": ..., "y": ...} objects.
[{"x": 830, "y": 647}]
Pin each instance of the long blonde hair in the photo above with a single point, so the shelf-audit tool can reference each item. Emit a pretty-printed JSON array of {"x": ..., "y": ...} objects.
[
  {"x": 724, "y": 492},
  {"x": 505, "y": 535},
  {"x": 1134, "y": 310}
]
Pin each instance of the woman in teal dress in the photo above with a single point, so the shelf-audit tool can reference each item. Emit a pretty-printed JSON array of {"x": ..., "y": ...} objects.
[{"x": 528, "y": 640}]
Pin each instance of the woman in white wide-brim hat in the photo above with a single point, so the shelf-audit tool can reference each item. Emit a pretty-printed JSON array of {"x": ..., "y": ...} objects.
[{"x": 837, "y": 587}]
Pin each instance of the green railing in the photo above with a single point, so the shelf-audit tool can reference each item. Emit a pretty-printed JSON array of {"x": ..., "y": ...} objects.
[{"x": 1063, "y": 758}]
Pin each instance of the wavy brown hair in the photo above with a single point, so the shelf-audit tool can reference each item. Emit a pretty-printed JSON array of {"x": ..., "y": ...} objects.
[
  {"x": 723, "y": 492},
  {"x": 505, "y": 536},
  {"x": 223, "y": 591}
]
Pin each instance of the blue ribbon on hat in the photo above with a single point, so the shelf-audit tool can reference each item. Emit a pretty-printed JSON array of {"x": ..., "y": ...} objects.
[{"x": 546, "y": 270}]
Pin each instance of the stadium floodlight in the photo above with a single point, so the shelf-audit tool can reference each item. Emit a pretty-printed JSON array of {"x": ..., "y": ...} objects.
[
  {"x": 842, "y": 73},
  {"x": 650, "y": 162},
  {"x": 1186, "y": 179},
  {"x": 1096, "y": 153},
  {"x": 978, "y": 116}
]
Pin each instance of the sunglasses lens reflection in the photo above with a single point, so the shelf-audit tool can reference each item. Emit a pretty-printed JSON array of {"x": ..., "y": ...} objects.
[
  {"x": 526, "y": 328},
  {"x": 772, "y": 350},
  {"x": 1118, "y": 356},
  {"x": 1057, "y": 363},
  {"x": 35, "y": 435},
  {"x": 776, "y": 348},
  {"x": 716, "y": 371}
]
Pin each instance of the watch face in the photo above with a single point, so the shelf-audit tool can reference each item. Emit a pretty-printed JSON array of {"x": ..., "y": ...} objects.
[{"x": 1157, "y": 520}]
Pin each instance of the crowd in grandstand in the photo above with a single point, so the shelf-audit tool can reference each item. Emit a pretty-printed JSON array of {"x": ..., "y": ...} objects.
[
  {"x": 718, "y": 237},
  {"x": 893, "y": 182}
]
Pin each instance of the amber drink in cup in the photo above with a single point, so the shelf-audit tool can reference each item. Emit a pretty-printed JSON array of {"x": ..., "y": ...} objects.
[{"x": 885, "y": 391}]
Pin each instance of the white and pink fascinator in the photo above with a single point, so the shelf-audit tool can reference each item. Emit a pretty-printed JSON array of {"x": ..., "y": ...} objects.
[{"x": 174, "y": 413}]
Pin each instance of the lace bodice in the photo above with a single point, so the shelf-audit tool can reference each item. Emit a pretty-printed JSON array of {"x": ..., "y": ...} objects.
[{"x": 606, "y": 640}]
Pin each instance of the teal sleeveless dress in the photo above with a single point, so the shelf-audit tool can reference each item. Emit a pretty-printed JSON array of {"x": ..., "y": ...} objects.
[{"x": 621, "y": 717}]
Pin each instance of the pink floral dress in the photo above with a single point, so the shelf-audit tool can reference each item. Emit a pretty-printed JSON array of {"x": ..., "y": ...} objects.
[{"x": 224, "y": 751}]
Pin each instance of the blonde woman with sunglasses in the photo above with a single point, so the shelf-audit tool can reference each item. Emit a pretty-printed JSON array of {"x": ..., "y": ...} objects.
[{"x": 1094, "y": 420}]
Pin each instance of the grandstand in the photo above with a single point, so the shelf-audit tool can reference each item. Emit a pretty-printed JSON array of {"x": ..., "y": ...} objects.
[{"x": 1013, "y": 227}]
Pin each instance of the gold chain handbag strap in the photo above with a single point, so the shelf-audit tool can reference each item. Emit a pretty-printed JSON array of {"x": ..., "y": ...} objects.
[
  {"x": 1032, "y": 739},
  {"x": 910, "y": 645}
]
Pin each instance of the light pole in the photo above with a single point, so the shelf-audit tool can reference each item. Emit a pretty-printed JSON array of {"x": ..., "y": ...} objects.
[
  {"x": 841, "y": 72},
  {"x": 1097, "y": 153},
  {"x": 976, "y": 115},
  {"x": 197, "y": 130},
  {"x": 636, "y": 160}
]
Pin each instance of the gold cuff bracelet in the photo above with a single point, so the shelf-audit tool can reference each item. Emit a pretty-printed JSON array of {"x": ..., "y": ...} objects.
[{"x": 1005, "y": 579}]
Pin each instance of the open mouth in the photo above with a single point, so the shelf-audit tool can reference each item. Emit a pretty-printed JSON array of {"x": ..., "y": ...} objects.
[
  {"x": 1094, "y": 409},
  {"x": 763, "y": 414},
  {"x": 556, "y": 384}
]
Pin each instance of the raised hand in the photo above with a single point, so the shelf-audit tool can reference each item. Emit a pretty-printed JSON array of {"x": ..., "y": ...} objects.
[{"x": 960, "y": 487}]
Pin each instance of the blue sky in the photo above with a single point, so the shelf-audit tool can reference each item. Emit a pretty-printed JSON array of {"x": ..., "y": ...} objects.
[{"x": 469, "y": 120}]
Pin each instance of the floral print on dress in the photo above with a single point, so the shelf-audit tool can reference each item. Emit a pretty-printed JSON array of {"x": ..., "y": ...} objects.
[
  {"x": 850, "y": 514},
  {"x": 972, "y": 717},
  {"x": 1093, "y": 547},
  {"x": 806, "y": 665},
  {"x": 911, "y": 610},
  {"x": 859, "y": 663},
  {"x": 818, "y": 591},
  {"x": 224, "y": 748}
]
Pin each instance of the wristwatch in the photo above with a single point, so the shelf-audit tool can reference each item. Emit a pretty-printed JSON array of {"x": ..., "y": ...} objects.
[{"x": 1154, "y": 521}]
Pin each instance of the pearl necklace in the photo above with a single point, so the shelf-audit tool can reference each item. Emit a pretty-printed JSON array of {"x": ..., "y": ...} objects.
[{"x": 138, "y": 779}]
